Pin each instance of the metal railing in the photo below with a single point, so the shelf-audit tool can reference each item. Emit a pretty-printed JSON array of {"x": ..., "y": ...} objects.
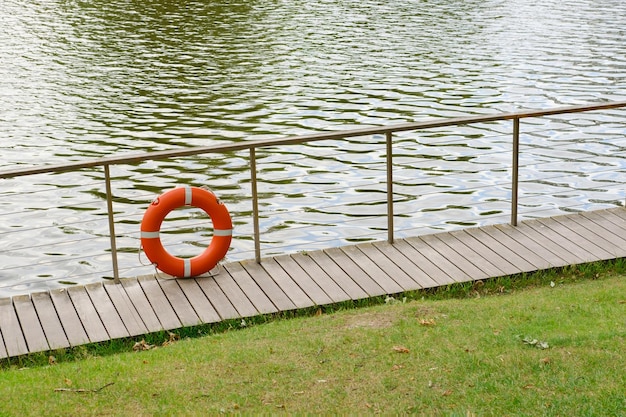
[{"x": 252, "y": 147}]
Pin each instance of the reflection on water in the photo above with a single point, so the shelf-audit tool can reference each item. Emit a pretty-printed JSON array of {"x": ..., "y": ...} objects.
[{"x": 85, "y": 79}]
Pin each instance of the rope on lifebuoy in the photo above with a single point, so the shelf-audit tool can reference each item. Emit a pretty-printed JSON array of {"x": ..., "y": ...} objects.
[{"x": 171, "y": 200}]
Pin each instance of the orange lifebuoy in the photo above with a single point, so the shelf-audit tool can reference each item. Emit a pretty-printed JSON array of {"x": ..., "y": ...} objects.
[{"x": 171, "y": 200}]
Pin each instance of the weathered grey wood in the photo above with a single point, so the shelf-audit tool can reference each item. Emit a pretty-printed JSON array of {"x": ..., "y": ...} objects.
[
  {"x": 125, "y": 308},
  {"x": 52, "y": 327},
  {"x": 483, "y": 252},
  {"x": 200, "y": 303},
  {"x": 479, "y": 235},
  {"x": 325, "y": 282},
  {"x": 424, "y": 246},
  {"x": 370, "y": 268},
  {"x": 142, "y": 305},
  {"x": 618, "y": 222},
  {"x": 555, "y": 245},
  {"x": 519, "y": 248},
  {"x": 31, "y": 327},
  {"x": 527, "y": 245},
  {"x": 3, "y": 350},
  {"x": 435, "y": 272},
  {"x": 550, "y": 233},
  {"x": 338, "y": 275},
  {"x": 160, "y": 304},
  {"x": 269, "y": 286},
  {"x": 592, "y": 232},
  {"x": 87, "y": 314},
  {"x": 106, "y": 310},
  {"x": 68, "y": 317},
  {"x": 582, "y": 241},
  {"x": 354, "y": 272},
  {"x": 237, "y": 297},
  {"x": 256, "y": 296},
  {"x": 11, "y": 330},
  {"x": 421, "y": 278},
  {"x": 181, "y": 306},
  {"x": 464, "y": 257},
  {"x": 603, "y": 227},
  {"x": 620, "y": 212},
  {"x": 218, "y": 299},
  {"x": 285, "y": 282},
  {"x": 390, "y": 269},
  {"x": 304, "y": 281}
]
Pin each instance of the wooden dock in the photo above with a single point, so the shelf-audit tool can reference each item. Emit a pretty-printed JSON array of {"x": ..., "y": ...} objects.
[{"x": 98, "y": 312}]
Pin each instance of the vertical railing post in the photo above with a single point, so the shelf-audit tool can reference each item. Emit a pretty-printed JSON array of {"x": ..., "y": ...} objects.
[
  {"x": 515, "y": 172},
  {"x": 389, "y": 187},
  {"x": 107, "y": 176},
  {"x": 255, "y": 206}
]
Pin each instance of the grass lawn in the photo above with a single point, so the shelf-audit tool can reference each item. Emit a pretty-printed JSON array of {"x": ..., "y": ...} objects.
[{"x": 555, "y": 349}]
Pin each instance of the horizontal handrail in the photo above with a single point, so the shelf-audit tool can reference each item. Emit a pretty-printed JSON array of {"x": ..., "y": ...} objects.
[{"x": 292, "y": 140}]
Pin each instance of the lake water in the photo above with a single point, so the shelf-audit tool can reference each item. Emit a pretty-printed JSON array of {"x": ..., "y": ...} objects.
[{"x": 88, "y": 79}]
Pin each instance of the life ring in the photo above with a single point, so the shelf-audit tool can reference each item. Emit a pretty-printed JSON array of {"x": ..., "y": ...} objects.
[{"x": 171, "y": 200}]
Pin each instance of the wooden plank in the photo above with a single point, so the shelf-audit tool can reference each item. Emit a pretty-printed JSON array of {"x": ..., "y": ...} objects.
[
  {"x": 434, "y": 271},
  {"x": 11, "y": 330},
  {"x": 160, "y": 304},
  {"x": 530, "y": 245},
  {"x": 236, "y": 296},
  {"x": 434, "y": 255},
  {"x": 326, "y": 282},
  {"x": 303, "y": 280},
  {"x": 201, "y": 305},
  {"x": 87, "y": 314},
  {"x": 255, "y": 294},
  {"x": 106, "y": 310},
  {"x": 181, "y": 306},
  {"x": 582, "y": 244},
  {"x": 504, "y": 238},
  {"x": 549, "y": 240},
  {"x": 370, "y": 268},
  {"x": 620, "y": 212},
  {"x": 605, "y": 238},
  {"x": 503, "y": 266},
  {"x": 331, "y": 269},
  {"x": 421, "y": 278},
  {"x": 68, "y": 317},
  {"x": 284, "y": 281},
  {"x": 52, "y": 327},
  {"x": 479, "y": 235},
  {"x": 269, "y": 286},
  {"x": 466, "y": 258},
  {"x": 218, "y": 299},
  {"x": 354, "y": 272},
  {"x": 615, "y": 219},
  {"x": 604, "y": 227},
  {"x": 142, "y": 305},
  {"x": 124, "y": 306},
  {"x": 31, "y": 327},
  {"x": 389, "y": 267},
  {"x": 3, "y": 349}
]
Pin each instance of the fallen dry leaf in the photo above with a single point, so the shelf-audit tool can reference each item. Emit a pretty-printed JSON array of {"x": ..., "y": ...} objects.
[
  {"x": 545, "y": 361},
  {"x": 401, "y": 349},
  {"x": 446, "y": 393},
  {"x": 52, "y": 360},
  {"x": 427, "y": 322},
  {"x": 142, "y": 345},
  {"x": 396, "y": 367}
]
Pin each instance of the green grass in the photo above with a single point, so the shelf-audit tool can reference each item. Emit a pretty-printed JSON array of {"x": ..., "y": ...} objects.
[{"x": 463, "y": 350}]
